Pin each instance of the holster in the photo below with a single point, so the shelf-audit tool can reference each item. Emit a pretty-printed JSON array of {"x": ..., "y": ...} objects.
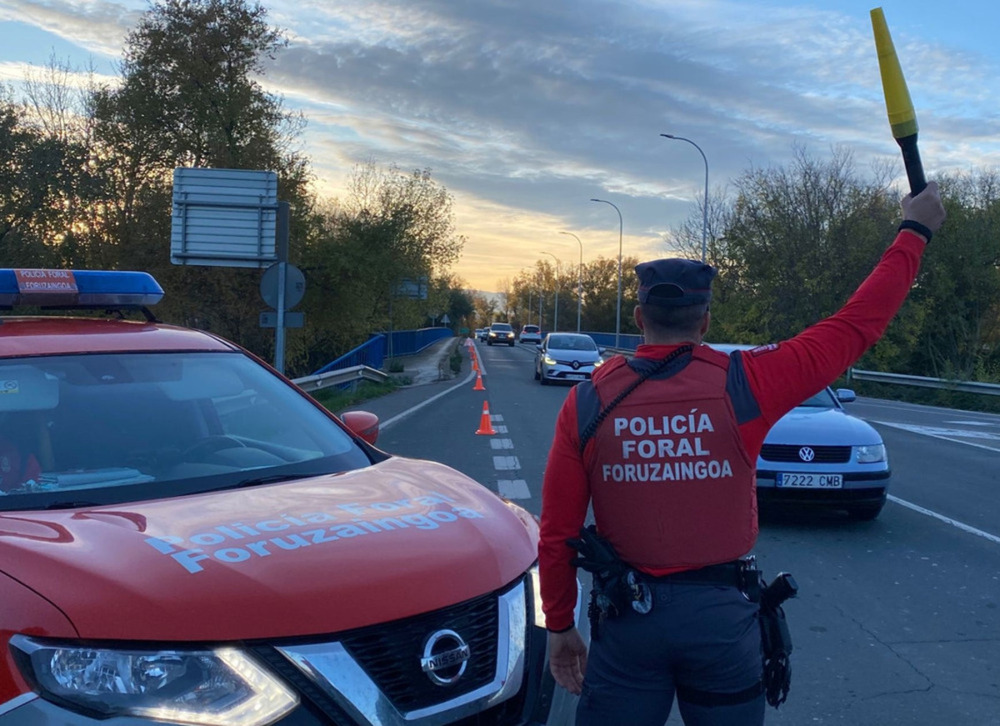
[{"x": 776, "y": 639}]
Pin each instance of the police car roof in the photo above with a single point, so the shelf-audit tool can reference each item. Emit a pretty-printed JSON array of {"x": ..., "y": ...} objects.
[
  {"x": 24, "y": 336},
  {"x": 86, "y": 290}
]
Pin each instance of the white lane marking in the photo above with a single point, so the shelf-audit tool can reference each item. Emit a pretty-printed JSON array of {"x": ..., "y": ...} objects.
[
  {"x": 947, "y": 520},
  {"x": 496, "y": 417},
  {"x": 972, "y": 423},
  {"x": 506, "y": 463},
  {"x": 17, "y": 702},
  {"x": 400, "y": 416},
  {"x": 501, "y": 444},
  {"x": 500, "y": 429},
  {"x": 947, "y": 434},
  {"x": 513, "y": 489}
]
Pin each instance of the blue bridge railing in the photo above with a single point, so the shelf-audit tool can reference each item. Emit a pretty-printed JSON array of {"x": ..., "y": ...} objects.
[
  {"x": 375, "y": 350},
  {"x": 625, "y": 341}
]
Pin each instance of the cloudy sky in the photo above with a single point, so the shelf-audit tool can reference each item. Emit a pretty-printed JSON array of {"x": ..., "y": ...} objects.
[{"x": 527, "y": 109}]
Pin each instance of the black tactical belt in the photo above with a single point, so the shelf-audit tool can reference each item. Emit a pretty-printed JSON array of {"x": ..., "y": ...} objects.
[{"x": 727, "y": 573}]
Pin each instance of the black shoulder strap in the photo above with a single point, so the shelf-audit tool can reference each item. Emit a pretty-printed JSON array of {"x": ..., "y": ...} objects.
[{"x": 591, "y": 429}]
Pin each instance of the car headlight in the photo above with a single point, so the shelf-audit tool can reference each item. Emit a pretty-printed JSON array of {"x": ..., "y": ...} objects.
[
  {"x": 217, "y": 687},
  {"x": 598, "y": 363},
  {"x": 549, "y": 360},
  {"x": 536, "y": 590},
  {"x": 869, "y": 454}
]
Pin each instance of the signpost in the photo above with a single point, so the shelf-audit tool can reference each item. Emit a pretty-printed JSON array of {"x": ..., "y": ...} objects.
[{"x": 232, "y": 218}]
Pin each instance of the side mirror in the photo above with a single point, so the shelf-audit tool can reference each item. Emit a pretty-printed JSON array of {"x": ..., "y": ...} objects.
[
  {"x": 363, "y": 424},
  {"x": 538, "y": 346},
  {"x": 846, "y": 395},
  {"x": 602, "y": 351}
]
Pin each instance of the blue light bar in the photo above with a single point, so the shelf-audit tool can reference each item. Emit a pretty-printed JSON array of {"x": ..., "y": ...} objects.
[{"x": 77, "y": 288}]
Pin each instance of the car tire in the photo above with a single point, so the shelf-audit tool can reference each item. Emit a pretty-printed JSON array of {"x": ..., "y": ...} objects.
[
  {"x": 543, "y": 379},
  {"x": 537, "y": 376},
  {"x": 865, "y": 512},
  {"x": 489, "y": 343},
  {"x": 511, "y": 344}
]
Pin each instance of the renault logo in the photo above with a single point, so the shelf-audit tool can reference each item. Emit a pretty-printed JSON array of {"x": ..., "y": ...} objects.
[
  {"x": 445, "y": 657},
  {"x": 576, "y": 365},
  {"x": 806, "y": 453}
]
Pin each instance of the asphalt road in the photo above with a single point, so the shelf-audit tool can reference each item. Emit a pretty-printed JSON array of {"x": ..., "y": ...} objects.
[{"x": 898, "y": 620}]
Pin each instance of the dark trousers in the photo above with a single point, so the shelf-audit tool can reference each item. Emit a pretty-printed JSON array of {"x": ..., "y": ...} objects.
[{"x": 698, "y": 639}]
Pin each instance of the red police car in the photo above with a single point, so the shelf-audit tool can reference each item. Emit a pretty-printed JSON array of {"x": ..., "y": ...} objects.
[{"x": 186, "y": 537}]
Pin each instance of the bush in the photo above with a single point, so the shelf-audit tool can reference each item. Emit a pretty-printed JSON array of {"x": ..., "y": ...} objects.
[
  {"x": 456, "y": 360},
  {"x": 394, "y": 365}
]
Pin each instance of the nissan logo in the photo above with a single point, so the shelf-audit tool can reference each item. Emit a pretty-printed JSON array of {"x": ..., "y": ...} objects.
[
  {"x": 445, "y": 657},
  {"x": 806, "y": 453}
]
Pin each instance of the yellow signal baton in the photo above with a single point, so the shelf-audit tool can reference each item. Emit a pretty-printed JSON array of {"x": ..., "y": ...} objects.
[{"x": 902, "y": 118}]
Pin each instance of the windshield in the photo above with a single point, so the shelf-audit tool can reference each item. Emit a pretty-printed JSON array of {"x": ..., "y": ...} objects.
[
  {"x": 147, "y": 425},
  {"x": 823, "y": 399},
  {"x": 572, "y": 342},
  {"x": 502, "y": 327}
]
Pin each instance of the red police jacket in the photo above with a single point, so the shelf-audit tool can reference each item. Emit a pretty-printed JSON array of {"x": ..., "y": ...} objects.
[{"x": 763, "y": 384}]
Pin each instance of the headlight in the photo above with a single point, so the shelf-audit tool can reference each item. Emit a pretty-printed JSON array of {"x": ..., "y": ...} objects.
[
  {"x": 598, "y": 363},
  {"x": 869, "y": 454},
  {"x": 549, "y": 360},
  {"x": 219, "y": 687},
  {"x": 536, "y": 590}
]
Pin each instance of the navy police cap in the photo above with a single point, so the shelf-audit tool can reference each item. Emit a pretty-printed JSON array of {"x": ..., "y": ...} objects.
[{"x": 674, "y": 282}]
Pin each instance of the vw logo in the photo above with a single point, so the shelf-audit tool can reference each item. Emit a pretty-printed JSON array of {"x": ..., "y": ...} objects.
[
  {"x": 806, "y": 453},
  {"x": 445, "y": 657}
]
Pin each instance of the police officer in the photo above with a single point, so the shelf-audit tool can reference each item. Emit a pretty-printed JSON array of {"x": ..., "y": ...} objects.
[{"x": 664, "y": 446}]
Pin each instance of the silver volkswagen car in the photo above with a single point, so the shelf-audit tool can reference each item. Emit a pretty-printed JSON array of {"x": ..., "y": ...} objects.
[
  {"x": 819, "y": 454},
  {"x": 570, "y": 357}
]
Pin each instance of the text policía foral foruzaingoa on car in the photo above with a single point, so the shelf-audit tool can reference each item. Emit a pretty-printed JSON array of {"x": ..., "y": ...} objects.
[{"x": 227, "y": 543}]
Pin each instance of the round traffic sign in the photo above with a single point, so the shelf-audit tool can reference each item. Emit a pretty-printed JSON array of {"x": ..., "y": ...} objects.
[{"x": 295, "y": 285}]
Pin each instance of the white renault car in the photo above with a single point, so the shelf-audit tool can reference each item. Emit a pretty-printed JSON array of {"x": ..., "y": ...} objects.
[
  {"x": 570, "y": 357},
  {"x": 819, "y": 454}
]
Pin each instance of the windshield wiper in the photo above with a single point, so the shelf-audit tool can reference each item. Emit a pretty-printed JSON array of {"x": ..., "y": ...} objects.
[
  {"x": 71, "y": 505},
  {"x": 271, "y": 479}
]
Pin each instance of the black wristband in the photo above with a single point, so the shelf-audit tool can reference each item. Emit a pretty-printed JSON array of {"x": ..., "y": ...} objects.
[
  {"x": 563, "y": 630},
  {"x": 916, "y": 227}
]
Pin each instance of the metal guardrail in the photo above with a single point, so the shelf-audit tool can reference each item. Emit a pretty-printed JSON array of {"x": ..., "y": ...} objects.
[
  {"x": 340, "y": 376},
  {"x": 991, "y": 389}
]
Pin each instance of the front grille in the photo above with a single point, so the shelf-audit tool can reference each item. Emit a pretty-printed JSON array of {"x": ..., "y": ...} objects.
[
  {"x": 390, "y": 653},
  {"x": 823, "y": 454}
]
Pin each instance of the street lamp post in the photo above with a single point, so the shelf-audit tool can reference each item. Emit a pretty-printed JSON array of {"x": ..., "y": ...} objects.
[
  {"x": 555, "y": 317},
  {"x": 579, "y": 282},
  {"x": 704, "y": 210},
  {"x": 618, "y": 310}
]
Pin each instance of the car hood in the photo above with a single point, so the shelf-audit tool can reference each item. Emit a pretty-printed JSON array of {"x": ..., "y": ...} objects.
[
  {"x": 311, "y": 556},
  {"x": 822, "y": 427}
]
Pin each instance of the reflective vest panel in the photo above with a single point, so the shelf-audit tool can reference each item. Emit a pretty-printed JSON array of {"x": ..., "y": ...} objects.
[{"x": 671, "y": 482}]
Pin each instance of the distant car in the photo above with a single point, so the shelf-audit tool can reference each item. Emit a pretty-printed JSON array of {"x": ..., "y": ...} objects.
[
  {"x": 818, "y": 454},
  {"x": 482, "y": 334},
  {"x": 477, "y": 333},
  {"x": 500, "y": 333},
  {"x": 531, "y": 334},
  {"x": 571, "y": 357}
]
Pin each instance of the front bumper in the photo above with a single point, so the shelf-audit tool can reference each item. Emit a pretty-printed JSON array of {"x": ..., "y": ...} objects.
[
  {"x": 858, "y": 489},
  {"x": 372, "y": 677}
]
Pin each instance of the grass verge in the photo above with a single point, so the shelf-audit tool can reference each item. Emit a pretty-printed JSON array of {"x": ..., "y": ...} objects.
[{"x": 337, "y": 399}]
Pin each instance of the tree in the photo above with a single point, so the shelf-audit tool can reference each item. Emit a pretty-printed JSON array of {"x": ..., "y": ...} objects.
[
  {"x": 798, "y": 240},
  {"x": 189, "y": 96}
]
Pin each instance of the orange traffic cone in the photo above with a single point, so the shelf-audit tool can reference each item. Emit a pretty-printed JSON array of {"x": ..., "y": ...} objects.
[
  {"x": 485, "y": 425},
  {"x": 475, "y": 364},
  {"x": 479, "y": 382}
]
